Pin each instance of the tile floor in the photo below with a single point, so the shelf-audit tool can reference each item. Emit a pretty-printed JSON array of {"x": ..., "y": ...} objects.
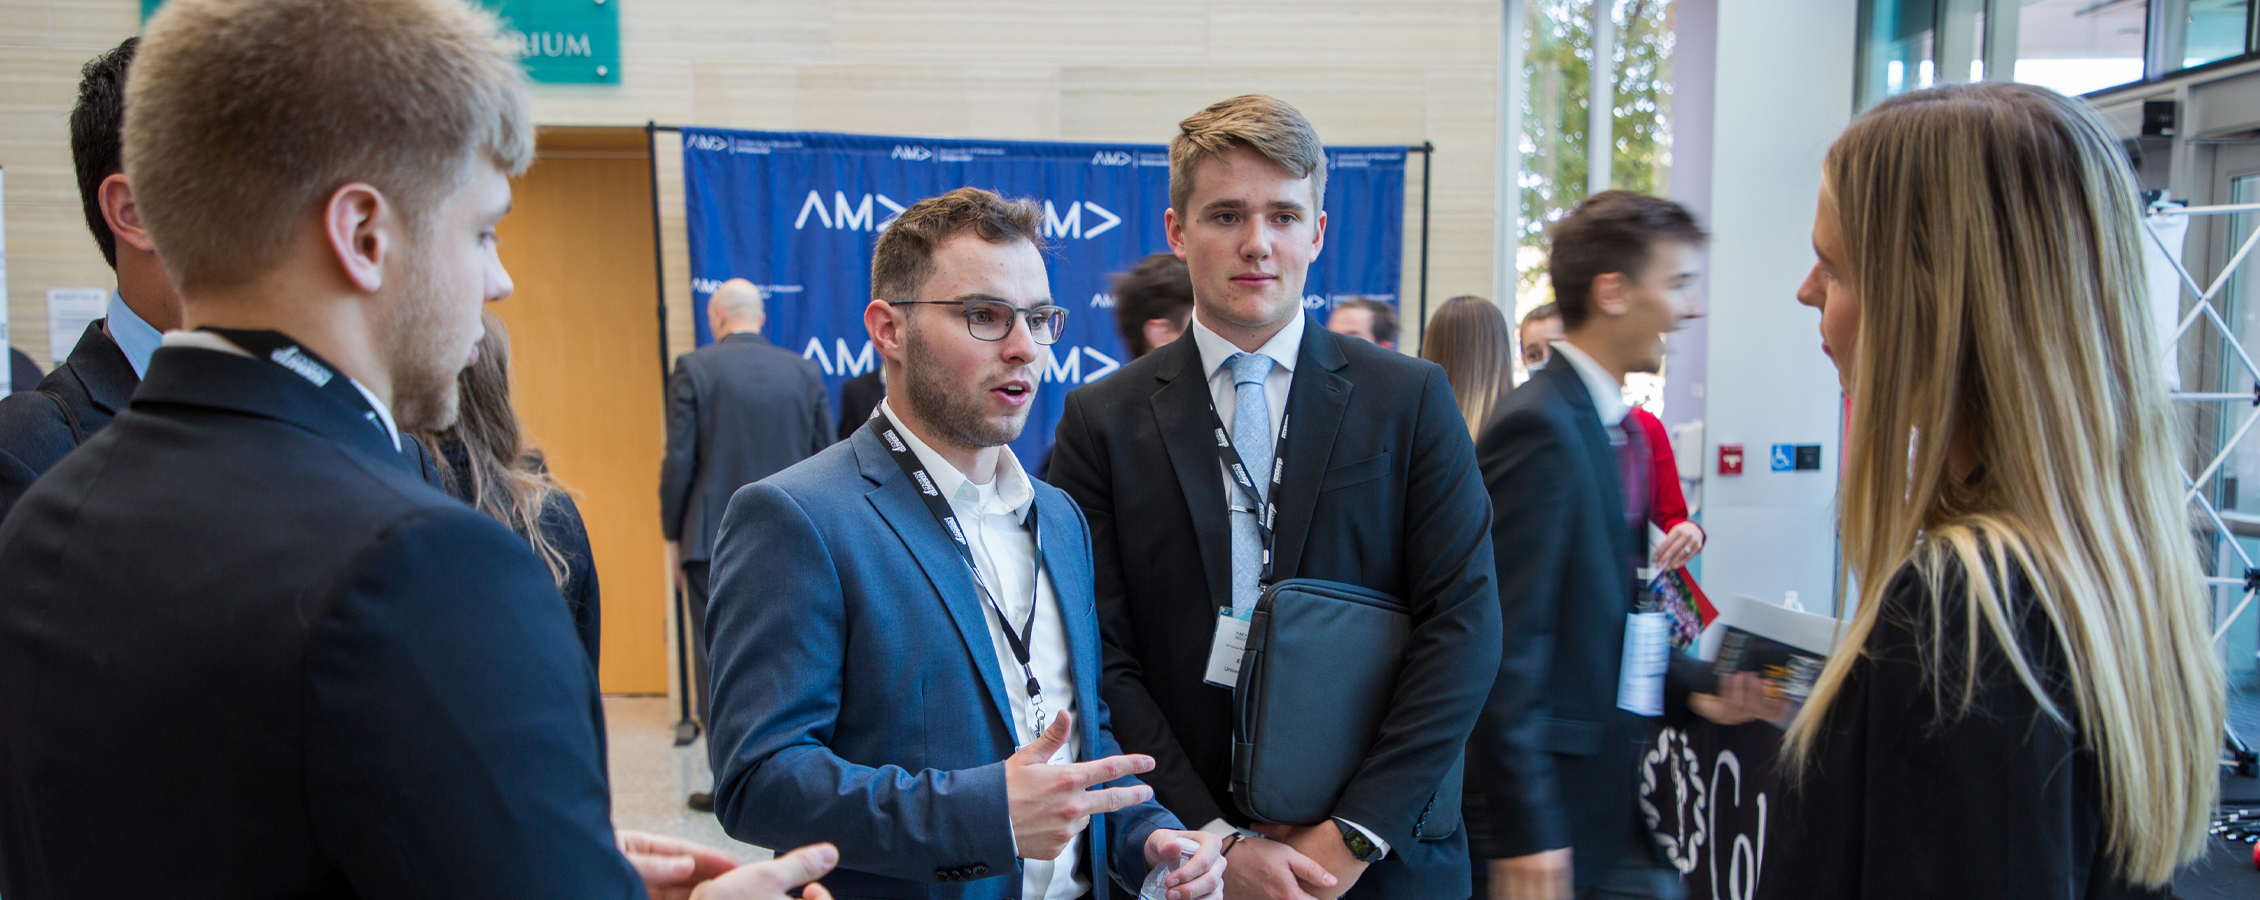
[{"x": 651, "y": 777}]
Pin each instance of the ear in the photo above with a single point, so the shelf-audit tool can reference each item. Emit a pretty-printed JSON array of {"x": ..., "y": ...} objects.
[
  {"x": 1173, "y": 228},
  {"x": 886, "y": 325},
  {"x": 358, "y": 225},
  {"x": 115, "y": 196},
  {"x": 1612, "y": 294},
  {"x": 1318, "y": 236}
]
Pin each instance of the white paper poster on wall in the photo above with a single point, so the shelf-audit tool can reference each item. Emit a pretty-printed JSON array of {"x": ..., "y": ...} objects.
[{"x": 68, "y": 312}]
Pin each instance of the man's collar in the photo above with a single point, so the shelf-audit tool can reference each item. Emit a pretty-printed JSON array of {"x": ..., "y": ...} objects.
[
  {"x": 1608, "y": 395},
  {"x": 1010, "y": 485},
  {"x": 135, "y": 338},
  {"x": 1283, "y": 347},
  {"x": 205, "y": 340}
]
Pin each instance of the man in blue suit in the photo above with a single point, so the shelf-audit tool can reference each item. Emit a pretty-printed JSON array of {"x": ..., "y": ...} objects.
[{"x": 905, "y": 648}]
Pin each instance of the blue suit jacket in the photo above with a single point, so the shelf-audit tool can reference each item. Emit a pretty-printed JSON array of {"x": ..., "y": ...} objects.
[{"x": 857, "y": 697}]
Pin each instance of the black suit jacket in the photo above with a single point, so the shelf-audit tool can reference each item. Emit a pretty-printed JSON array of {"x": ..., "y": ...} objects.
[
  {"x": 1381, "y": 490},
  {"x": 738, "y": 410},
  {"x": 239, "y": 616},
  {"x": 858, "y": 397},
  {"x": 36, "y": 426},
  {"x": 23, "y": 374},
  {"x": 1553, "y": 762}
]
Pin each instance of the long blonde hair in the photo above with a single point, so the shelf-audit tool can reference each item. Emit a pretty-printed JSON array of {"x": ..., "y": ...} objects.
[
  {"x": 1468, "y": 337},
  {"x": 1991, "y": 235}
]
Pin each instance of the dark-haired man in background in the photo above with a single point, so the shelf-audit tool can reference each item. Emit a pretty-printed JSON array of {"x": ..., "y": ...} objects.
[
  {"x": 1552, "y": 772},
  {"x": 1153, "y": 302},
  {"x": 39, "y": 426},
  {"x": 1371, "y": 321}
]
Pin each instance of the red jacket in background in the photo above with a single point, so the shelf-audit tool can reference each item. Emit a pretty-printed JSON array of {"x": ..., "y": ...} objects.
[{"x": 1667, "y": 507}]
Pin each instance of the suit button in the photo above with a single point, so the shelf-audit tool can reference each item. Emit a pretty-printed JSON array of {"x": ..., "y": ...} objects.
[
  {"x": 980, "y": 869},
  {"x": 943, "y": 874}
]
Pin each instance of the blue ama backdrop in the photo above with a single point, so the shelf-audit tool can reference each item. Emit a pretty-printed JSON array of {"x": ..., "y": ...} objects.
[{"x": 798, "y": 214}]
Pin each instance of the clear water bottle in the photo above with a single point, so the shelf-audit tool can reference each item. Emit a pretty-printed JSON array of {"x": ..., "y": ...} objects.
[{"x": 1157, "y": 881}]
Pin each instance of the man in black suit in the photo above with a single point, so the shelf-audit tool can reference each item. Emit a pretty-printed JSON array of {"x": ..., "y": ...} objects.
[
  {"x": 59, "y": 412},
  {"x": 1552, "y": 767},
  {"x": 738, "y": 410},
  {"x": 49, "y": 417},
  {"x": 237, "y": 615},
  {"x": 1380, "y": 489}
]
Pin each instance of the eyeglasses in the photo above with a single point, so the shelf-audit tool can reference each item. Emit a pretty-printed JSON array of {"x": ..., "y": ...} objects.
[{"x": 991, "y": 320}]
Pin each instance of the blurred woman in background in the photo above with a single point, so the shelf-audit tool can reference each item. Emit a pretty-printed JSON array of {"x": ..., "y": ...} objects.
[
  {"x": 1468, "y": 337},
  {"x": 2026, "y": 700},
  {"x": 487, "y": 464}
]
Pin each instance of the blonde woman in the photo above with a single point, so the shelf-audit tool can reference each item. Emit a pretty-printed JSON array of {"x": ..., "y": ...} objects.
[{"x": 2025, "y": 702}]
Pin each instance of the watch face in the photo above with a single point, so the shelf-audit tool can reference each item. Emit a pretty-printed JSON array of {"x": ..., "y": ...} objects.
[{"x": 1356, "y": 841}]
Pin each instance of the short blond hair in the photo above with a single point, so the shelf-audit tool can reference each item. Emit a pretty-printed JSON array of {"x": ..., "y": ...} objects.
[
  {"x": 1272, "y": 126},
  {"x": 243, "y": 116}
]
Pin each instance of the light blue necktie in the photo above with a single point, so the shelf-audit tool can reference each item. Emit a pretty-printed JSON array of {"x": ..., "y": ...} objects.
[{"x": 1251, "y": 436}]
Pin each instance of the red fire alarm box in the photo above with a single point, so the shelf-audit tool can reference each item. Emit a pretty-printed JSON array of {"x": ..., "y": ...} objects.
[{"x": 1730, "y": 459}]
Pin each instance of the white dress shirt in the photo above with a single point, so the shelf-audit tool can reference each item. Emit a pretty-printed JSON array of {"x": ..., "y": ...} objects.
[
  {"x": 135, "y": 338},
  {"x": 1283, "y": 348},
  {"x": 996, "y": 515},
  {"x": 1608, "y": 394},
  {"x": 205, "y": 340}
]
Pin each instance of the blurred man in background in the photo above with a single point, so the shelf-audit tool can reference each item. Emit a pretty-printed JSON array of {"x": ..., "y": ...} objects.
[{"x": 1371, "y": 321}]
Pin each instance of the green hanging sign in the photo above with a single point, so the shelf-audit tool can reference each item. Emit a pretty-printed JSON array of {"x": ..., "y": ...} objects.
[{"x": 561, "y": 41}]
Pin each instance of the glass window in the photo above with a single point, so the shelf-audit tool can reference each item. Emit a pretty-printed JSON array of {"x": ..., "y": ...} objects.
[
  {"x": 2213, "y": 30},
  {"x": 2078, "y": 46}
]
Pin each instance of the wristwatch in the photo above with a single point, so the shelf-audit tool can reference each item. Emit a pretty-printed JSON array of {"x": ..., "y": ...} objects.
[{"x": 1360, "y": 846}]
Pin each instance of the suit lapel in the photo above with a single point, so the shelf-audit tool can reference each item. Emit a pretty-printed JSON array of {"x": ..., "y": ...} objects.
[
  {"x": 1181, "y": 412},
  {"x": 897, "y": 502},
  {"x": 1598, "y": 454},
  {"x": 1067, "y": 560},
  {"x": 1314, "y": 416}
]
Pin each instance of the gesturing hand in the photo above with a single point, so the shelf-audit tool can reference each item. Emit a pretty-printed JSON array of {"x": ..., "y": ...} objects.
[
  {"x": 1265, "y": 869},
  {"x": 1742, "y": 697},
  {"x": 1050, "y": 804},
  {"x": 771, "y": 879},
  {"x": 671, "y": 867}
]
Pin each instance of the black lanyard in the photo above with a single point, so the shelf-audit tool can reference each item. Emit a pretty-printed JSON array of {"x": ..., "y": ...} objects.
[
  {"x": 280, "y": 349},
  {"x": 932, "y": 495},
  {"x": 1266, "y": 506}
]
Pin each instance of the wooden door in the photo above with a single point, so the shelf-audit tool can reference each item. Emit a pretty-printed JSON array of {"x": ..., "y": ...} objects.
[{"x": 584, "y": 334}]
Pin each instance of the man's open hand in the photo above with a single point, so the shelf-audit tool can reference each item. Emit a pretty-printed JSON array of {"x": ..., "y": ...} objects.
[
  {"x": 1052, "y": 804},
  {"x": 771, "y": 879}
]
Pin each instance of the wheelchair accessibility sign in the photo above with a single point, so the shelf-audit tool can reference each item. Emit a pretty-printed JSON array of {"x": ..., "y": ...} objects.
[{"x": 1795, "y": 457}]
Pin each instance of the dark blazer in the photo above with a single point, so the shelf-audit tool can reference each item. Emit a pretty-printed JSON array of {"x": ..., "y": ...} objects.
[
  {"x": 858, "y": 397},
  {"x": 237, "y": 615},
  {"x": 738, "y": 411},
  {"x": 560, "y": 524},
  {"x": 857, "y": 697},
  {"x": 1381, "y": 491},
  {"x": 1553, "y": 762},
  {"x": 1906, "y": 799},
  {"x": 38, "y": 427},
  {"x": 23, "y": 374}
]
